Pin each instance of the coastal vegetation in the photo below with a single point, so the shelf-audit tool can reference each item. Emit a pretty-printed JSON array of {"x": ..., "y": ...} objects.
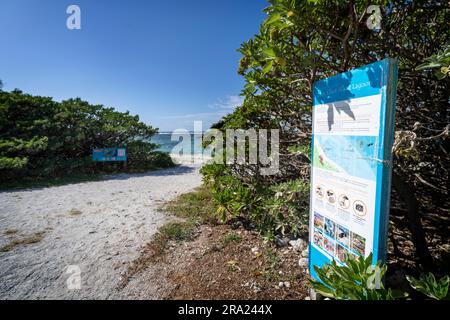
[
  {"x": 25, "y": 240},
  {"x": 45, "y": 140},
  {"x": 301, "y": 42},
  {"x": 244, "y": 234},
  {"x": 358, "y": 279}
]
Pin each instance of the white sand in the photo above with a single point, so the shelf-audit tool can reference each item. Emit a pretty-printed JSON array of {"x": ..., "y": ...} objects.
[
  {"x": 118, "y": 216},
  {"x": 190, "y": 159}
]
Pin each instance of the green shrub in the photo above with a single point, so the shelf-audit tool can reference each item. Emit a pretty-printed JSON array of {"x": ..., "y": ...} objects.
[
  {"x": 439, "y": 62},
  {"x": 429, "y": 286},
  {"x": 277, "y": 209},
  {"x": 287, "y": 206},
  {"x": 42, "y": 138},
  {"x": 179, "y": 231},
  {"x": 231, "y": 237},
  {"x": 198, "y": 204},
  {"x": 302, "y": 42},
  {"x": 359, "y": 279}
]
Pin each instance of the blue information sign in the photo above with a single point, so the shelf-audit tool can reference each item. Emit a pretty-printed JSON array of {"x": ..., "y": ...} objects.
[
  {"x": 109, "y": 155},
  {"x": 353, "y": 133}
]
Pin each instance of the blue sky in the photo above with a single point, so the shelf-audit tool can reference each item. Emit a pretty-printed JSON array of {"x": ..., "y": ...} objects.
[{"x": 171, "y": 62}]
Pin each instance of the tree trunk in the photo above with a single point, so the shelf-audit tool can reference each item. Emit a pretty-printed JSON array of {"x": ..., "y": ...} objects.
[{"x": 406, "y": 193}]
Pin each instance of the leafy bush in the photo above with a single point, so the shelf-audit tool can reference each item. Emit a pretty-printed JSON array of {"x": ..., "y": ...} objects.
[
  {"x": 302, "y": 42},
  {"x": 440, "y": 62},
  {"x": 141, "y": 156},
  {"x": 427, "y": 284},
  {"x": 231, "y": 237},
  {"x": 287, "y": 204},
  {"x": 198, "y": 204},
  {"x": 277, "y": 209},
  {"x": 179, "y": 231},
  {"x": 359, "y": 279},
  {"x": 42, "y": 138}
]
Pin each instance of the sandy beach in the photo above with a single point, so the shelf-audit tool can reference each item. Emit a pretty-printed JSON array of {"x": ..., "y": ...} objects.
[{"x": 97, "y": 228}]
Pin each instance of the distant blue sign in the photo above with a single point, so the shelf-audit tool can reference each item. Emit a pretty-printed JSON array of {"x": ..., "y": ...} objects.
[
  {"x": 109, "y": 155},
  {"x": 353, "y": 133}
]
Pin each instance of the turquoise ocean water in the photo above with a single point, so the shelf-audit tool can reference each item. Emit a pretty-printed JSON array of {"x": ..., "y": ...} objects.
[{"x": 166, "y": 144}]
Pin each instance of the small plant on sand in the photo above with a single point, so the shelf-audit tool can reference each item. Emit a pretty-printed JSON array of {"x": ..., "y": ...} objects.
[
  {"x": 231, "y": 237},
  {"x": 173, "y": 231},
  {"x": 197, "y": 204},
  {"x": 34, "y": 238},
  {"x": 272, "y": 259},
  {"x": 179, "y": 231},
  {"x": 272, "y": 264},
  {"x": 11, "y": 232},
  {"x": 75, "y": 212},
  {"x": 233, "y": 266}
]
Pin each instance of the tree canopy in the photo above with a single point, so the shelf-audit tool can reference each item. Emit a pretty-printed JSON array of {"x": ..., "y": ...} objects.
[
  {"x": 40, "y": 137},
  {"x": 303, "y": 41}
]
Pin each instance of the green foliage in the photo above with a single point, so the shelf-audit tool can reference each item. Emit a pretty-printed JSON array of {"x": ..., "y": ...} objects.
[
  {"x": 21, "y": 149},
  {"x": 439, "y": 61},
  {"x": 233, "y": 197},
  {"x": 41, "y": 138},
  {"x": 179, "y": 231},
  {"x": 358, "y": 279},
  {"x": 273, "y": 260},
  {"x": 280, "y": 208},
  {"x": 141, "y": 156},
  {"x": 198, "y": 204},
  {"x": 12, "y": 163},
  {"x": 286, "y": 206},
  {"x": 429, "y": 286},
  {"x": 304, "y": 149},
  {"x": 231, "y": 237},
  {"x": 302, "y": 42}
]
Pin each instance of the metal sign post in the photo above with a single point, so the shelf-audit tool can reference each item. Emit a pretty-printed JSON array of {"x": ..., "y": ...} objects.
[{"x": 353, "y": 133}]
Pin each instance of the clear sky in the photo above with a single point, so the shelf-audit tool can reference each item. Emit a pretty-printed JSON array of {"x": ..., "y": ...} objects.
[{"x": 171, "y": 62}]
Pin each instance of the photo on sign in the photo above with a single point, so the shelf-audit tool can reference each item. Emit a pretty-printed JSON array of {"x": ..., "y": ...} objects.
[
  {"x": 318, "y": 238},
  {"x": 121, "y": 152},
  {"x": 341, "y": 252},
  {"x": 358, "y": 244},
  {"x": 329, "y": 245},
  {"x": 318, "y": 221},
  {"x": 343, "y": 235},
  {"x": 329, "y": 228}
]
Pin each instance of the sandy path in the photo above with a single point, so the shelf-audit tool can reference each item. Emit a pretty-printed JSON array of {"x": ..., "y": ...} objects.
[{"x": 116, "y": 218}]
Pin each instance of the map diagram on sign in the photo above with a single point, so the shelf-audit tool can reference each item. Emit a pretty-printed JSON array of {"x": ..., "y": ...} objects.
[{"x": 350, "y": 155}]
